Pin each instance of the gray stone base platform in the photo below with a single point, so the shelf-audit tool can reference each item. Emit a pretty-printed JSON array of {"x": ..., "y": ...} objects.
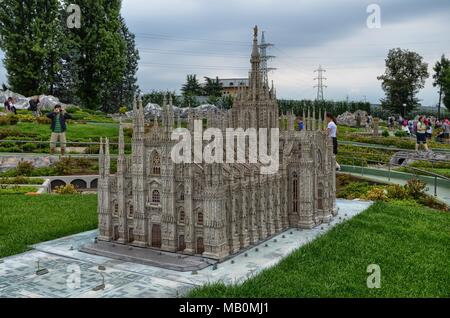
[
  {"x": 74, "y": 274},
  {"x": 146, "y": 256}
]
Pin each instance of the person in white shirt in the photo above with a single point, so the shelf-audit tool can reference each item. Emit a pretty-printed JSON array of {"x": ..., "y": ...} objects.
[{"x": 332, "y": 133}]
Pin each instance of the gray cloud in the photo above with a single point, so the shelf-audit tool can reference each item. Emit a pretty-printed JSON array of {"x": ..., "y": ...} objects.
[{"x": 209, "y": 38}]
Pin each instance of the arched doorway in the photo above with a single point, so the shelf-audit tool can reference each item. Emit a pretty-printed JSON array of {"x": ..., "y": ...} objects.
[
  {"x": 156, "y": 236},
  {"x": 181, "y": 243},
  {"x": 200, "y": 246},
  {"x": 79, "y": 184},
  {"x": 116, "y": 233},
  {"x": 57, "y": 183}
]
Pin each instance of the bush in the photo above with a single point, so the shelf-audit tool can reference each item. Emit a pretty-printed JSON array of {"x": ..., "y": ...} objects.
[
  {"x": 20, "y": 180},
  {"x": 42, "y": 120},
  {"x": 123, "y": 110},
  {"x": 401, "y": 134},
  {"x": 92, "y": 149},
  {"x": 397, "y": 192},
  {"x": 385, "y": 133},
  {"x": 10, "y": 119},
  {"x": 354, "y": 190},
  {"x": 376, "y": 194},
  {"x": 67, "y": 189},
  {"x": 24, "y": 168},
  {"x": 415, "y": 188},
  {"x": 26, "y": 118},
  {"x": 29, "y": 147}
]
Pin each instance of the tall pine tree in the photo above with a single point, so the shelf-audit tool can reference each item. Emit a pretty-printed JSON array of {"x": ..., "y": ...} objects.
[
  {"x": 100, "y": 61},
  {"x": 33, "y": 42}
]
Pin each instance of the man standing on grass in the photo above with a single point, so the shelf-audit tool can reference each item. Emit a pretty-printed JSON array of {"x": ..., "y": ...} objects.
[{"x": 58, "y": 127}]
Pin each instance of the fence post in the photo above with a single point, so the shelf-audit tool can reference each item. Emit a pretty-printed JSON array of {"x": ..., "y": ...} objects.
[
  {"x": 389, "y": 173},
  {"x": 435, "y": 186}
]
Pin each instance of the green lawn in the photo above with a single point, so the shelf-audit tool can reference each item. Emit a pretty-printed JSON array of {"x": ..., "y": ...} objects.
[
  {"x": 26, "y": 220},
  {"x": 411, "y": 245},
  {"x": 75, "y": 131}
]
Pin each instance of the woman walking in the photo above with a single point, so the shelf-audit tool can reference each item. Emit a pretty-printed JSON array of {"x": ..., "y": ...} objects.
[
  {"x": 421, "y": 134},
  {"x": 332, "y": 133}
]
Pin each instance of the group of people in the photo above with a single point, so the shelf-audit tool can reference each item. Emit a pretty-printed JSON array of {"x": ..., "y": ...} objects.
[
  {"x": 58, "y": 121},
  {"x": 423, "y": 128},
  {"x": 10, "y": 106}
]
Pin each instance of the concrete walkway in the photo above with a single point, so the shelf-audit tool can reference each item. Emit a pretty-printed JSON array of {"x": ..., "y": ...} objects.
[{"x": 73, "y": 274}]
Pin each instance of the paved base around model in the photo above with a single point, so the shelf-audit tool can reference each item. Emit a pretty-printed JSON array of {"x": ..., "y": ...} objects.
[
  {"x": 146, "y": 256},
  {"x": 72, "y": 273}
]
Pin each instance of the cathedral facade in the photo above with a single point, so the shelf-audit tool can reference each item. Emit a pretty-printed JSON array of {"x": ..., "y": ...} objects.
[{"x": 215, "y": 210}]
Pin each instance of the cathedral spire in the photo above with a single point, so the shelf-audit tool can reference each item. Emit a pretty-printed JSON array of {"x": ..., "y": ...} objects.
[{"x": 121, "y": 140}]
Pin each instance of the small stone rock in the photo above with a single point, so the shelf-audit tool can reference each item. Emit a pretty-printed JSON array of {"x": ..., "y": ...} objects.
[{"x": 101, "y": 268}]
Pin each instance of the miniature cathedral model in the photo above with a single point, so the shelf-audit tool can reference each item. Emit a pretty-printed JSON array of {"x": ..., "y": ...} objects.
[{"x": 216, "y": 210}]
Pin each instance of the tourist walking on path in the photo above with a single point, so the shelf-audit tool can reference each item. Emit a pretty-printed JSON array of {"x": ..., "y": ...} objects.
[
  {"x": 421, "y": 134},
  {"x": 58, "y": 127},
  {"x": 332, "y": 133}
]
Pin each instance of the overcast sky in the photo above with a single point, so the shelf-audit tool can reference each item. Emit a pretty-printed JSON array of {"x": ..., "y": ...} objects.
[{"x": 213, "y": 38}]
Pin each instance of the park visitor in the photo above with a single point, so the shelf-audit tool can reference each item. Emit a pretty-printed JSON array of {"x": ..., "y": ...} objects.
[
  {"x": 9, "y": 106},
  {"x": 58, "y": 127},
  {"x": 421, "y": 134},
  {"x": 300, "y": 124},
  {"x": 332, "y": 133},
  {"x": 34, "y": 106}
]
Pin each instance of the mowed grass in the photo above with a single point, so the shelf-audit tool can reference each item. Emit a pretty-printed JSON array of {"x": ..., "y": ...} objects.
[
  {"x": 75, "y": 131},
  {"x": 410, "y": 244},
  {"x": 27, "y": 220}
]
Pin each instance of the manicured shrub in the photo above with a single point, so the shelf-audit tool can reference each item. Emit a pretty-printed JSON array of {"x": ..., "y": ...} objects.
[
  {"x": 415, "y": 188},
  {"x": 67, "y": 189},
  {"x": 29, "y": 147},
  {"x": 9, "y": 119},
  {"x": 385, "y": 133},
  {"x": 42, "y": 120},
  {"x": 123, "y": 110},
  {"x": 401, "y": 133},
  {"x": 376, "y": 194},
  {"x": 24, "y": 168},
  {"x": 26, "y": 118},
  {"x": 396, "y": 192}
]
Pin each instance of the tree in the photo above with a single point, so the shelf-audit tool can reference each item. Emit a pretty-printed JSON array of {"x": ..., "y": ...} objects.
[
  {"x": 440, "y": 71},
  {"x": 446, "y": 88},
  {"x": 33, "y": 41},
  {"x": 213, "y": 88},
  {"x": 98, "y": 61},
  {"x": 157, "y": 97},
  {"x": 405, "y": 75},
  {"x": 126, "y": 88},
  {"x": 192, "y": 87}
]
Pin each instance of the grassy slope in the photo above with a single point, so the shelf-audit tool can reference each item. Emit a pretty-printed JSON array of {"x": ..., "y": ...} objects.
[
  {"x": 411, "y": 245},
  {"x": 26, "y": 220},
  {"x": 75, "y": 132}
]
